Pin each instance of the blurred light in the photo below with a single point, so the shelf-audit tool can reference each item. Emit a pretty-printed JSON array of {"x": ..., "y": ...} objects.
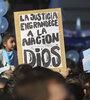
[{"x": 78, "y": 24}]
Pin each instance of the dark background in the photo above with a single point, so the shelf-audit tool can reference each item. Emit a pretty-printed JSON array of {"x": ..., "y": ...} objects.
[{"x": 72, "y": 9}]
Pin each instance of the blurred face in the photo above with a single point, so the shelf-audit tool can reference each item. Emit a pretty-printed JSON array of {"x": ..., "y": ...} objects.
[
  {"x": 57, "y": 91},
  {"x": 10, "y": 44}
]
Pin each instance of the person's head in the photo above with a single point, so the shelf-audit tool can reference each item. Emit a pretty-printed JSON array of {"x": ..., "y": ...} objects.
[
  {"x": 55, "y": 84},
  {"x": 24, "y": 85},
  {"x": 8, "y": 41},
  {"x": 75, "y": 70},
  {"x": 19, "y": 74},
  {"x": 70, "y": 63},
  {"x": 85, "y": 81},
  {"x": 38, "y": 84},
  {"x": 76, "y": 91}
]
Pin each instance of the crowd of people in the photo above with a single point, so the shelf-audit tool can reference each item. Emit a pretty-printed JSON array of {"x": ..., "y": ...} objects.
[{"x": 25, "y": 82}]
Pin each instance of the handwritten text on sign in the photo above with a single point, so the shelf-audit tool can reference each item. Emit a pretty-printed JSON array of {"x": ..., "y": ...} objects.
[{"x": 40, "y": 39}]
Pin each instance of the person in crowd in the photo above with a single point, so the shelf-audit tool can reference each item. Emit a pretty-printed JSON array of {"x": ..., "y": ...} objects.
[
  {"x": 70, "y": 63},
  {"x": 74, "y": 68},
  {"x": 36, "y": 84},
  {"x": 76, "y": 91},
  {"x": 88, "y": 91},
  {"x": 8, "y": 58},
  {"x": 73, "y": 76},
  {"x": 84, "y": 78},
  {"x": 18, "y": 74}
]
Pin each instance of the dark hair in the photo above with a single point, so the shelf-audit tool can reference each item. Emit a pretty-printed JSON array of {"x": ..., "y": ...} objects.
[
  {"x": 49, "y": 74},
  {"x": 36, "y": 74},
  {"x": 20, "y": 72},
  {"x": 74, "y": 76},
  {"x": 6, "y": 36},
  {"x": 88, "y": 91},
  {"x": 84, "y": 78},
  {"x": 86, "y": 98},
  {"x": 35, "y": 78},
  {"x": 74, "y": 68},
  {"x": 76, "y": 91},
  {"x": 4, "y": 96},
  {"x": 70, "y": 63}
]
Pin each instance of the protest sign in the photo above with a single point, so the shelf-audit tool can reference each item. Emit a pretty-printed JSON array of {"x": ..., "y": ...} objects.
[
  {"x": 86, "y": 53},
  {"x": 86, "y": 60},
  {"x": 39, "y": 36},
  {"x": 86, "y": 64}
]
